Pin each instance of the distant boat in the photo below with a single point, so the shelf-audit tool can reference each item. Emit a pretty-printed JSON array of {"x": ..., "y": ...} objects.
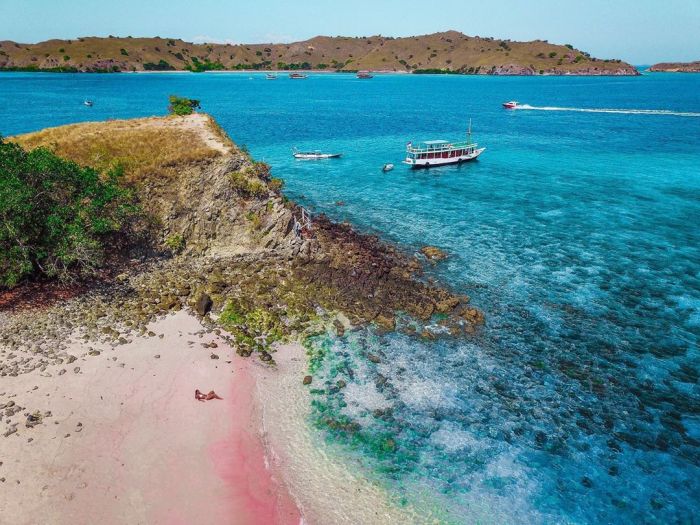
[
  {"x": 88, "y": 103},
  {"x": 271, "y": 76},
  {"x": 314, "y": 155},
  {"x": 441, "y": 152},
  {"x": 298, "y": 76},
  {"x": 365, "y": 74},
  {"x": 387, "y": 167},
  {"x": 510, "y": 105}
]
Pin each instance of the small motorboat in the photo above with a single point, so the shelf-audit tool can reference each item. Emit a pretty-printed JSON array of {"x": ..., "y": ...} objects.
[
  {"x": 387, "y": 167},
  {"x": 88, "y": 103},
  {"x": 271, "y": 76},
  {"x": 510, "y": 105},
  {"x": 298, "y": 76},
  {"x": 314, "y": 155},
  {"x": 365, "y": 74}
]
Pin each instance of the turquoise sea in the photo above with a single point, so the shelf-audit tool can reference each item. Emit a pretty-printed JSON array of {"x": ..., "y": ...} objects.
[{"x": 577, "y": 232}]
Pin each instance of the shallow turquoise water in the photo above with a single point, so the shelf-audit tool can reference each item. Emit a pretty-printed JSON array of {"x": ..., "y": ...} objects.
[{"x": 577, "y": 233}]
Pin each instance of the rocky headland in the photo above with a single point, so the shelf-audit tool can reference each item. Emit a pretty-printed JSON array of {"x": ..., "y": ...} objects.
[
  {"x": 676, "y": 67},
  {"x": 221, "y": 264},
  {"x": 445, "y": 52}
]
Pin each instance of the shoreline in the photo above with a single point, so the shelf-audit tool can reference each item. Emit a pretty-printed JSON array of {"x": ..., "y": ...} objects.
[{"x": 122, "y": 439}]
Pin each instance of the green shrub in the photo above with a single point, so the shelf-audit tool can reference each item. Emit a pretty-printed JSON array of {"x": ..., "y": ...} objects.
[
  {"x": 124, "y": 52},
  {"x": 552, "y": 54},
  {"x": 182, "y": 106},
  {"x": 578, "y": 58},
  {"x": 66, "y": 58},
  {"x": 162, "y": 65},
  {"x": 55, "y": 215},
  {"x": 569, "y": 46},
  {"x": 175, "y": 243}
]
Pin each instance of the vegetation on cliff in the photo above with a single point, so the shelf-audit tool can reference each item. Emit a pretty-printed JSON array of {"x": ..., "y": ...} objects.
[
  {"x": 449, "y": 51},
  {"x": 56, "y": 216}
]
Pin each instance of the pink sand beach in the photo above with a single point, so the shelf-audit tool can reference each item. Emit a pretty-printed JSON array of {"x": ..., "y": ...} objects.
[{"x": 128, "y": 443}]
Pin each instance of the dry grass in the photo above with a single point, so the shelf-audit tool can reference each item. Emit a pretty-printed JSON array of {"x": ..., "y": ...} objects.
[{"x": 150, "y": 147}]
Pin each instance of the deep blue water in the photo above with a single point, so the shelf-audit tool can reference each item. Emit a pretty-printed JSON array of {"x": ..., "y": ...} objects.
[{"x": 577, "y": 233}]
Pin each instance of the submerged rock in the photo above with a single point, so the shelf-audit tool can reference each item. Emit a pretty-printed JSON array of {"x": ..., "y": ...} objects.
[{"x": 433, "y": 253}]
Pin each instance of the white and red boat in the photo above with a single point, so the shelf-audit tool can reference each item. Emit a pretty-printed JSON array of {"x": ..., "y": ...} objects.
[
  {"x": 510, "y": 105},
  {"x": 365, "y": 74},
  {"x": 441, "y": 152},
  {"x": 298, "y": 76}
]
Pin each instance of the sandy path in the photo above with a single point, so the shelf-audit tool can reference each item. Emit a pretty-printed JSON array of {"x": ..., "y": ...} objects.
[{"x": 127, "y": 442}]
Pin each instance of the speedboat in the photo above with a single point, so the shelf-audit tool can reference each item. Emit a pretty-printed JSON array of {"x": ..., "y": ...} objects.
[
  {"x": 88, "y": 103},
  {"x": 510, "y": 105},
  {"x": 314, "y": 155},
  {"x": 441, "y": 152},
  {"x": 387, "y": 167}
]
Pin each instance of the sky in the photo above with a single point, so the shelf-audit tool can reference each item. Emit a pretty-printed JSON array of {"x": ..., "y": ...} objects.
[{"x": 637, "y": 31}]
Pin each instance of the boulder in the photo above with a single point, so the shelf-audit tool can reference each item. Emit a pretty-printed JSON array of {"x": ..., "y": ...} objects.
[{"x": 203, "y": 304}]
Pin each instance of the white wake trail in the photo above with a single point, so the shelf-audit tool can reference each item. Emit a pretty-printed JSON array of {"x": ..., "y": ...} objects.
[{"x": 605, "y": 110}]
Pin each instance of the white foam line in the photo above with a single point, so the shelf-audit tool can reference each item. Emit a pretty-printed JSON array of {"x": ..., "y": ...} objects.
[{"x": 619, "y": 111}]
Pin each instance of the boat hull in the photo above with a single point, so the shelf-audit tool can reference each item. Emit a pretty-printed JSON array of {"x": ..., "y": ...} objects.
[{"x": 432, "y": 163}]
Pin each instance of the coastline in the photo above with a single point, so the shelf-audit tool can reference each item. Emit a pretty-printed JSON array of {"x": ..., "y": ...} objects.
[{"x": 122, "y": 438}]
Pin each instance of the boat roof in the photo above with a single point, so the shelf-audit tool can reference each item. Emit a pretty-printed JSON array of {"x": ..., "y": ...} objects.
[{"x": 436, "y": 142}]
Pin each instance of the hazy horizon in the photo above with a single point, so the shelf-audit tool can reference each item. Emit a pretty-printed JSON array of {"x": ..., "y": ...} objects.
[{"x": 642, "y": 32}]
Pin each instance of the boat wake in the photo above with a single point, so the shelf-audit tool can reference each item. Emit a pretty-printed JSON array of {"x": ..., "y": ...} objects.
[{"x": 606, "y": 110}]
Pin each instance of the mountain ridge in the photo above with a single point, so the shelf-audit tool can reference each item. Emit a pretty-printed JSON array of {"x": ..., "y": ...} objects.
[{"x": 444, "y": 52}]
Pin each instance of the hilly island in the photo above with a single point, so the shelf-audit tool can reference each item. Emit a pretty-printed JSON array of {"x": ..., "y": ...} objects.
[{"x": 445, "y": 52}]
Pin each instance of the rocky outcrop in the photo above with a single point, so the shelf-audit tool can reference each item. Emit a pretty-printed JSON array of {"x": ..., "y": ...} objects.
[
  {"x": 676, "y": 67},
  {"x": 231, "y": 244}
]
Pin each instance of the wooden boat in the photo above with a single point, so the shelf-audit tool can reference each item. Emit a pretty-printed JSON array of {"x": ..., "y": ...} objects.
[
  {"x": 298, "y": 76},
  {"x": 442, "y": 152}
]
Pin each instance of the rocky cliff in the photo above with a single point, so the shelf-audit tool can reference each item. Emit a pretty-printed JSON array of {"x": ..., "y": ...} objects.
[{"x": 449, "y": 51}]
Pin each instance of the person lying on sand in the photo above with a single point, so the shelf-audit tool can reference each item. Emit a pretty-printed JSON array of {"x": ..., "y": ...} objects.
[{"x": 205, "y": 397}]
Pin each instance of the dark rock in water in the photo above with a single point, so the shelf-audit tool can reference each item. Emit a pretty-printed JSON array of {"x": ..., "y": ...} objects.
[
  {"x": 374, "y": 358},
  {"x": 614, "y": 470},
  {"x": 307, "y": 380},
  {"x": 540, "y": 439},
  {"x": 203, "y": 304},
  {"x": 340, "y": 383},
  {"x": 339, "y": 328},
  {"x": 586, "y": 482},
  {"x": 264, "y": 356}
]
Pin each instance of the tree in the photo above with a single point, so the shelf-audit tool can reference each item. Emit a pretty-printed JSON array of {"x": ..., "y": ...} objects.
[
  {"x": 182, "y": 106},
  {"x": 55, "y": 216}
]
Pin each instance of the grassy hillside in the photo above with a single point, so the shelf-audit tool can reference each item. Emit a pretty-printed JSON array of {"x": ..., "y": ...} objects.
[{"x": 450, "y": 51}]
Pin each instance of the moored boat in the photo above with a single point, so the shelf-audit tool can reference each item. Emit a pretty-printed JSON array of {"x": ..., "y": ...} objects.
[
  {"x": 364, "y": 74},
  {"x": 442, "y": 152},
  {"x": 510, "y": 105},
  {"x": 271, "y": 76},
  {"x": 298, "y": 76},
  {"x": 387, "y": 167},
  {"x": 314, "y": 155}
]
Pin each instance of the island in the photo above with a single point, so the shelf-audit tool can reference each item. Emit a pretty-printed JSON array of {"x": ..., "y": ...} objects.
[
  {"x": 676, "y": 67},
  {"x": 449, "y": 52}
]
